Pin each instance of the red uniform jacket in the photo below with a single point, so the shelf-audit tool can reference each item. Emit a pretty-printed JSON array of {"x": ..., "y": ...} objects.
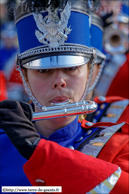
[
  {"x": 116, "y": 150},
  {"x": 76, "y": 172},
  {"x": 73, "y": 170},
  {"x": 53, "y": 165}
]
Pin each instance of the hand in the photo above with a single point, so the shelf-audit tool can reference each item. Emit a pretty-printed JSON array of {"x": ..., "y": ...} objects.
[{"x": 15, "y": 120}]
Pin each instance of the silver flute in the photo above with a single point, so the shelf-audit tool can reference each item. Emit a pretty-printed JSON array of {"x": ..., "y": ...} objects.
[{"x": 58, "y": 110}]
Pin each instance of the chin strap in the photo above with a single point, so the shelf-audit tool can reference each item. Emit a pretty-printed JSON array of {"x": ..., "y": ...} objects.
[
  {"x": 90, "y": 76},
  {"x": 31, "y": 96},
  {"x": 97, "y": 78}
]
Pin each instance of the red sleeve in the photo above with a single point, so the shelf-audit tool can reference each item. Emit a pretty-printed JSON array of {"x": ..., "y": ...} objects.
[{"x": 73, "y": 170}]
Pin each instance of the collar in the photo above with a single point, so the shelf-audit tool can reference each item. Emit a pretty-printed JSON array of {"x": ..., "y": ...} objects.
[{"x": 64, "y": 133}]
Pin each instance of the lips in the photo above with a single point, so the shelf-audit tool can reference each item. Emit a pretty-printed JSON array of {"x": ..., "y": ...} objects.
[{"x": 59, "y": 99}]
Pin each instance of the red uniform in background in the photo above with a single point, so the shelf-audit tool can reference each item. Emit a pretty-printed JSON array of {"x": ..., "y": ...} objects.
[
  {"x": 114, "y": 80},
  {"x": 3, "y": 87},
  {"x": 114, "y": 109},
  {"x": 120, "y": 83}
]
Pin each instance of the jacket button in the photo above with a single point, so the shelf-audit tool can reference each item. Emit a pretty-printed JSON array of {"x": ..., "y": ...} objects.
[
  {"x": 40, "y": 182},
  {"x": 97, "y": 113},
  {"x": 70, "y": 147},
  {"x": 102, "y": 106},
  {"x": 89, "y": 124},
  {"x": 78, "y": 139},
  {"x": 88, "y": 132}
]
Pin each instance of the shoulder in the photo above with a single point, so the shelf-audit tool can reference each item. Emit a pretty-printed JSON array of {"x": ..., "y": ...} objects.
[
  {"x": 124, "y": 126},
  {"x": 108, "y": 99},
  {"x": 111, "y": 109},
  {"x": 109, "y": 140}
]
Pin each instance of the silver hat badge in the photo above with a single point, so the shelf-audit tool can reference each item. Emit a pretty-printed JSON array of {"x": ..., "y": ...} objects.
[{"x": 53, "y": 29}]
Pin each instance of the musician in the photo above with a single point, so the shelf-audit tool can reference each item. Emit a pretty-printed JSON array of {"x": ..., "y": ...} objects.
[
  {"x": 121, "y": 77},
  {"x": 55, "y": 68},
  {"x": 8, "y": 53},
  {"x": 112, "y": 108},
  {"x": 114, "y": 79}
]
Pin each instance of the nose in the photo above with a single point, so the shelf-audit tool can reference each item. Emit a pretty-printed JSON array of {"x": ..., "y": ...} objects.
[{"x": 59, "y": 81}]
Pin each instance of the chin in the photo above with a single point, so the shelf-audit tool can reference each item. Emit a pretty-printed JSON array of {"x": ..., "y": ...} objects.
[{"x": 63, "y": 120}]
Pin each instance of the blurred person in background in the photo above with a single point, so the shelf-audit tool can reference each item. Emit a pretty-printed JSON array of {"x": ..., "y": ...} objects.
[
  {"x": 115, "y": 77},
  {"x": 9, "y": 47},
  {"x": 107, "y": 10},
  {"x": 3, "y": 14},
  {"x": 8, "y": 51},
  {"x": 110, "y": 109},
  {"x": 3, "y": 86},
  {"x": 10, "y": 7},
  {"x": 7, "y": 11}
]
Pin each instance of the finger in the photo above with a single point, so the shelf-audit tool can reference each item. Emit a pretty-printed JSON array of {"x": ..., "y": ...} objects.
[{"x": 27, "y": 110}]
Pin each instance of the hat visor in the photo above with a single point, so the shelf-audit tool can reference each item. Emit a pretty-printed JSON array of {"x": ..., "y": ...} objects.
[{"x": 53, "y": 62}]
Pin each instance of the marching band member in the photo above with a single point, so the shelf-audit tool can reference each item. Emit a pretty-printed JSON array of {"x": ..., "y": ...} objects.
[
  {"x": 121, "y": 77},
  {"x": 8, "y": 53},
  {"x": 111, "y": 108},
  {"x": 114, "y": 79},
  {"x": 56, "y": 63}
]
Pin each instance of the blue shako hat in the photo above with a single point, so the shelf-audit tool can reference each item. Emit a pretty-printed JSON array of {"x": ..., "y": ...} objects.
[
  {"x": 53, "y": 34},
  {"x": 123, "y": 16},
  {"x": 96, "y": 32}
]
